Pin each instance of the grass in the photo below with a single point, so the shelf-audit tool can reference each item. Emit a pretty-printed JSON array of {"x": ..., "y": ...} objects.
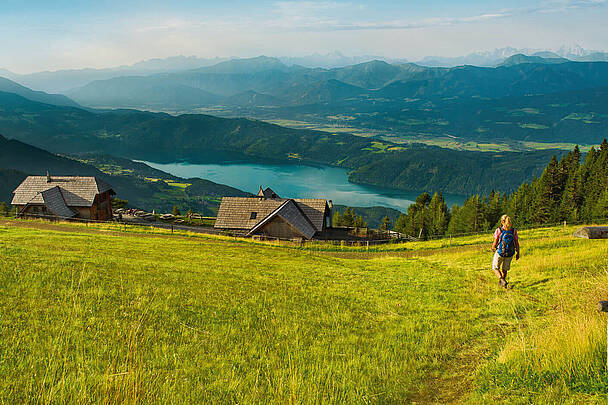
[{"x": 95, "y": 314}]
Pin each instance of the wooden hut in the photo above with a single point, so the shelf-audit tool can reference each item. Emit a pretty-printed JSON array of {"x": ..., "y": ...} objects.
[
  {"x": 267, "y": 214},
  {"x": 64, "y": 197},
  {"x": 592, "y": 232}
]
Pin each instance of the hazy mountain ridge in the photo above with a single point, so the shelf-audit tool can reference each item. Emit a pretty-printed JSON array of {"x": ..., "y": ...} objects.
[
  {"x": 10, "y": 86},
  {"x": 292, "y": 84}
]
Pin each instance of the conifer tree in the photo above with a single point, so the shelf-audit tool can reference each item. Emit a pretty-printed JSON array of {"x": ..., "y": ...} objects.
[
  {"x": 3, "y": 209},
  {"x": 438, "y": 215},
  {"x": 400, "y": 224},
  {"x": 336, "y": 220},
  {"x": 348, "y": 217},
  {"x": 386, "y": 224}
]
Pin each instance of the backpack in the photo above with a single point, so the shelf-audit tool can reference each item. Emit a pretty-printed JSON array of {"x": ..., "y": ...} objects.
[{"x": 506, "y": 243}]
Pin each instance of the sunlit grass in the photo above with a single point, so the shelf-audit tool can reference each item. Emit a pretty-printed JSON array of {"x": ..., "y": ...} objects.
[{"x": 97, "y": 314}]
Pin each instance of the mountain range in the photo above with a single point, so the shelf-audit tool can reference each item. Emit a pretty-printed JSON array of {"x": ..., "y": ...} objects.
[
  {"x": 62, "y": 81},
  {"x": 296, "y": 85},
  {"x": 526, "y": 98}
]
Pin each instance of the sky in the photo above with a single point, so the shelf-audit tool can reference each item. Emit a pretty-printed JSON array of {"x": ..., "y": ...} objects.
[{"x": 38, "y": 35}]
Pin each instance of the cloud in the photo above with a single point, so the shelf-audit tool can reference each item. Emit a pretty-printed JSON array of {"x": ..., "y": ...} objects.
[{"x": 317, "y": 15}]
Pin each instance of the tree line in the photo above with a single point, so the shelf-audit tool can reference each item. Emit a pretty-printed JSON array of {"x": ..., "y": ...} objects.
[{"x": 570, "y": 189}]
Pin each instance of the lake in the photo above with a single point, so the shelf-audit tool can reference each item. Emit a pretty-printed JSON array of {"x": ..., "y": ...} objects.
[{"x": 297, "y": 181}]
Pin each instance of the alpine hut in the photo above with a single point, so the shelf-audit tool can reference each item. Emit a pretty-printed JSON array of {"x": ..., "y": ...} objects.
[
  {"x": 267, "y": 214},
  {"x": 64, "y": 197}
]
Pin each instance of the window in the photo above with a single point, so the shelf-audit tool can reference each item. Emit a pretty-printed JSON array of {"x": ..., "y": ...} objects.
[{"x": 253, "y": 215}]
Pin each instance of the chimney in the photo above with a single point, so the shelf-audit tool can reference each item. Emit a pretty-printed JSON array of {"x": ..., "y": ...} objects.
[
  {"x": 330, "y": 216},
  {"x": 48, "y": 177}
]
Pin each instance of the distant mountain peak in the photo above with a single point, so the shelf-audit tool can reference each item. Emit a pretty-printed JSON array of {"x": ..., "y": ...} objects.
[{"x": 519, "y": 58}]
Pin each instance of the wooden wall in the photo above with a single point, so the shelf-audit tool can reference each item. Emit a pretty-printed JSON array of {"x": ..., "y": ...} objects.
[{"x": 277, "y": 228}]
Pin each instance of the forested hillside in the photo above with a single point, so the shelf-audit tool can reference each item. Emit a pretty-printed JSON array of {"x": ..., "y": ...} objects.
[
  {"x": 17, "y": 160},
  {"x": 570, "y": 189},
  {"x": 193, "y": 137},
  {"x": 526, "y": 99}
]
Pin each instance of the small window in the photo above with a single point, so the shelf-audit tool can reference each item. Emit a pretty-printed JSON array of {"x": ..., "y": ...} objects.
[{"x": 253, "y": 215}]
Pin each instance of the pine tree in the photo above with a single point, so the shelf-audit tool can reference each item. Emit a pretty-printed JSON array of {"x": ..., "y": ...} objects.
[
  {"x": 359, "y": 222},
  {"x": 547, "y": 194},
  {"x": 175, "y": 210},
  {"x": 336, "y": 220},
  {"x": 3, "y": 209},
  {"x": 572, "y": 198},
  {"x": 348, "y": 217},
  {"x": 386, "y": 224},
  {"x": 600, "y": 211},
  {"x": 438, "y": 215},
  {"x": 401, "y": 224}
]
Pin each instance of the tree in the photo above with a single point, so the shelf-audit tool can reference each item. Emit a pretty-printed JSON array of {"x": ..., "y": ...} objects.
[
  {"x": 359, "y": 222},
  {"x": 175, "y": 210},
  {"x": 438, "y": 215},
  {"x": 118, "y": 203},
  {"x": 600, "y": 212},
  {"x": 348, "y": 217},
  {"x": 386, "y": 224},
  {"x": 336, "y": 220},
  {"x": 3, "y": 209},
  {"x": 401, "y": 224}
]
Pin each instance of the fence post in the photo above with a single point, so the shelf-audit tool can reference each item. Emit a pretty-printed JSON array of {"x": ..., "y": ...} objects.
[
  {"x": 171, "y": 229},
  {"x": 564, "y": 225},
  {"x": 367, "y": 246}
]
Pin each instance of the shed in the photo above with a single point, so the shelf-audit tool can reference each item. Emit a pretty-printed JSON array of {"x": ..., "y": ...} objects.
[{"x": 592, "y": 232}]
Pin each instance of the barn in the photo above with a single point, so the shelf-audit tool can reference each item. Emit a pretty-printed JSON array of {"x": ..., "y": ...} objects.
[
  {"x": 267, "y": 214},
  {"x": 64, "y": 197}
]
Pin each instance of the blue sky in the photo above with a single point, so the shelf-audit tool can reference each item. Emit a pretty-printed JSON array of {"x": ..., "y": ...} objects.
[{"x": 47, "y": 35}]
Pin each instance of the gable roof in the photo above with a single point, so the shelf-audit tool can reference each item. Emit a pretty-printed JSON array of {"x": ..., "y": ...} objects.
[
  {"x": 235, "y": 212},
  {"x": 293, "y": 215},
  {"x": 268, "y": 193},
  {"x": 54, "y": 201},
  {"x": 75, "y": 191}
]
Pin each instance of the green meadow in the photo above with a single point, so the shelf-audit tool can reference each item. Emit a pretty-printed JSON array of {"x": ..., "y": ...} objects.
[{"x": 101, "y": 315}]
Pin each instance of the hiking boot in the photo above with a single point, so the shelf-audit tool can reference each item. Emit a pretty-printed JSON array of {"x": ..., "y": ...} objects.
[
  {"x": 502, "y": 282},
  {"x": 505, "y": 284}
]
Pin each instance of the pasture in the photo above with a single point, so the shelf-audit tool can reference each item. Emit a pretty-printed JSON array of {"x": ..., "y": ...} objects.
[{"x": 95, "y": 314}]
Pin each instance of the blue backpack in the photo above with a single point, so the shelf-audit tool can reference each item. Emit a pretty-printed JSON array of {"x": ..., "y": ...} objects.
[{"x": 506, "y": 243}]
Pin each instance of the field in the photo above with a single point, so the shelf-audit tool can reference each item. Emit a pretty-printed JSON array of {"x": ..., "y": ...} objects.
[{"x": 95, "y": 314}]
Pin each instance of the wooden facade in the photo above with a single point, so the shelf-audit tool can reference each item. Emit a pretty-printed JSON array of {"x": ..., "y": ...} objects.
[
  {"x": 269, "y": 215},
  {"x": 64, "y": 197}
]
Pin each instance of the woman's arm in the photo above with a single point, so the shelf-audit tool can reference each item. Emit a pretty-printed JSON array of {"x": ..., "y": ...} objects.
[{"x": 495, "y": 242}]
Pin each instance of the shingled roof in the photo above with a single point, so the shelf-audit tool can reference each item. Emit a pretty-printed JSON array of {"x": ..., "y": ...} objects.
[
  {"x": 236, "y": 212},
  {"x": 268, "y": 193},
  {"x": 75, "y": 191},
  {"x": 53, "y": 199},
  {"x": 293, "y": 215}
]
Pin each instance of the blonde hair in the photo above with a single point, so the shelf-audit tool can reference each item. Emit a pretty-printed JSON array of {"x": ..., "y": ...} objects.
[{"x": 506, "y": 221}]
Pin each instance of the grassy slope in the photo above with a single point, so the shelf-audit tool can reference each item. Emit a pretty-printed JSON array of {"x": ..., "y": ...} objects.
[{"x": 96, "y": 315}]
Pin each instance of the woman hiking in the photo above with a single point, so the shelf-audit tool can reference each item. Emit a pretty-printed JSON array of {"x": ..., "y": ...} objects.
[{"x": 506, "y": 244}]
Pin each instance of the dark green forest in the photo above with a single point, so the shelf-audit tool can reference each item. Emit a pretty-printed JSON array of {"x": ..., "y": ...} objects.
[
  {"x": 570, "y": 189},
  {"x": 163, "y": 137}
]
